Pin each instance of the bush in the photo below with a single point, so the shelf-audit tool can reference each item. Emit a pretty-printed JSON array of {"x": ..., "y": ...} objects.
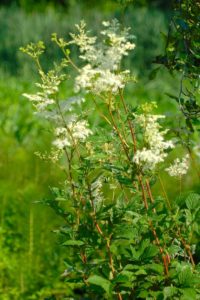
[{"x": 123, "y": 241}]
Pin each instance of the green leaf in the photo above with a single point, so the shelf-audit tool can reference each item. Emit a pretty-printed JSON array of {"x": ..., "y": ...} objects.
[
  {"x": 174, "y": 249},
  {"x": 141, "y": 272},
  {"x": 193, "y": 201},
  {"x": 60, "y": 199},
  {"x": 157, "y": 268},
  {"x": 150, "y": 252},
  {"x": 143, "y": 295},
  {"x": 73, "y": 243},
  {"x": 153, "y": 73},
  {"x": 102, "y": 282},
  {"x": 188, "y": 294},
  {"x": 169, "y": 291},
  {"x": 185, "y": 276},
  {"x": 141, "y": 252},
  {"x": 131, "y": 267},
  {"x": 125, "y": 276}
]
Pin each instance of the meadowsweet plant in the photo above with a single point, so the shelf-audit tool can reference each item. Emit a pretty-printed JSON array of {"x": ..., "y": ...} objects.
[{"x": 122, "y": 240}]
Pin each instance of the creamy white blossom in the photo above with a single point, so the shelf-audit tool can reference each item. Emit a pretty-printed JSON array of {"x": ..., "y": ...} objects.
[
  {"x": 149, "y": 158},
  {"x": 74, "y": 132},
  {"x": 79, "y": 130},
  {"x": 84, "y": 41},
  {"x": 154, "y": 136},
  {"x": 179, "y": 167},
  {"x": 99, "y": 81},
  {"x": 40, "y": 100},
  {"x": 48, "y": 88},
  {"x": 155, "y": 151},
  {"x": 62, "y": 139},
  {"x": 96, "y": 192},
  {"x": 101, "y": 74}
]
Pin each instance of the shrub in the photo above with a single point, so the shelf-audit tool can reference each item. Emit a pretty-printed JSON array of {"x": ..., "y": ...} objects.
[{"x": 122, "y": 241}]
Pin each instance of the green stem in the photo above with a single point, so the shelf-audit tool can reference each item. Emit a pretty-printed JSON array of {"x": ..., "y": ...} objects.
[{"x": 164, "y": 192}]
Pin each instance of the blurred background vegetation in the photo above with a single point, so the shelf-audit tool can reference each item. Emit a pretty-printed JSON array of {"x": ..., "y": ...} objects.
[{"x": 31, "y": 259}]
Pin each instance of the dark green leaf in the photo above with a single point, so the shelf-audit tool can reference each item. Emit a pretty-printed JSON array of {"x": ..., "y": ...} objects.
[{"x": 102, "y": 282}]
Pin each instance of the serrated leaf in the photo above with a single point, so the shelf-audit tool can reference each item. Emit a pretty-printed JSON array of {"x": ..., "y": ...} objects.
[
  {"x": 185, "y": 276},
  {"x": 125, "y": 276},
  {"x": 193, "y": 201},
  {"x": 149, "y": 252},
  {"x": 158, "y": 268},
  {"x": 102, "y": 282},
  {"x": 169, "y": 291}
]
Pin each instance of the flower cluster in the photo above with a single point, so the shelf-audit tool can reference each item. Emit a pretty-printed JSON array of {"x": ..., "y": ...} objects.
[
  {"x": 101, "y": 74},
  {"x": 99, "y": 81},
  {"x": 155, "y": 150},
  {"x": 74, "y": 131},
  {"x": 48, "y": 88},
  {"x": 96, "y": 191},
  {"x": 179, "y": 167}
]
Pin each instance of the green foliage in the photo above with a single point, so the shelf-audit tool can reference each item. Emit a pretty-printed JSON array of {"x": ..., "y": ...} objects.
[{"x": 181, "y": 56}]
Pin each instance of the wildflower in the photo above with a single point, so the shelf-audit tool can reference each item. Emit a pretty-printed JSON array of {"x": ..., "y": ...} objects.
[
  {"x": 154, "y": 136},
  {"x": 99, "y": 81},
  {"x": 179, "y": 167},
  {"x": 49, "y": 87},
  {"x": 62, "y": 139},
  {"x": 74, "y": 132},
  {"x": 96, "y": 191},
  {"x": 106, "y": 23},
  {"x": 40, "y": 100},
  {"x": 82, "y": 39},
  {"x": 149, "y": 157},
  {"x": 101, "y": 74},
  {"x": 79, "y": 130}
]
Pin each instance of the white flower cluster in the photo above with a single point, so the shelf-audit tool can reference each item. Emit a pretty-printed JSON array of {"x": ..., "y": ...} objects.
[
  {"x": 49, "y": 87},
  {"x": 41, "y": 100},
  {"x": 79, "y": 130},
  {"x": 100, "y": 74},
  {"x": 154, "y": 152},
  {"x": 148, "y": 158},
  {"x": 96, "y": 191},
  {"x": 62, "y": 139},
  {"x": 179, "y": 167},
  {"x": 75, "y": 131},
  {"x": 99, "y": 81}
]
